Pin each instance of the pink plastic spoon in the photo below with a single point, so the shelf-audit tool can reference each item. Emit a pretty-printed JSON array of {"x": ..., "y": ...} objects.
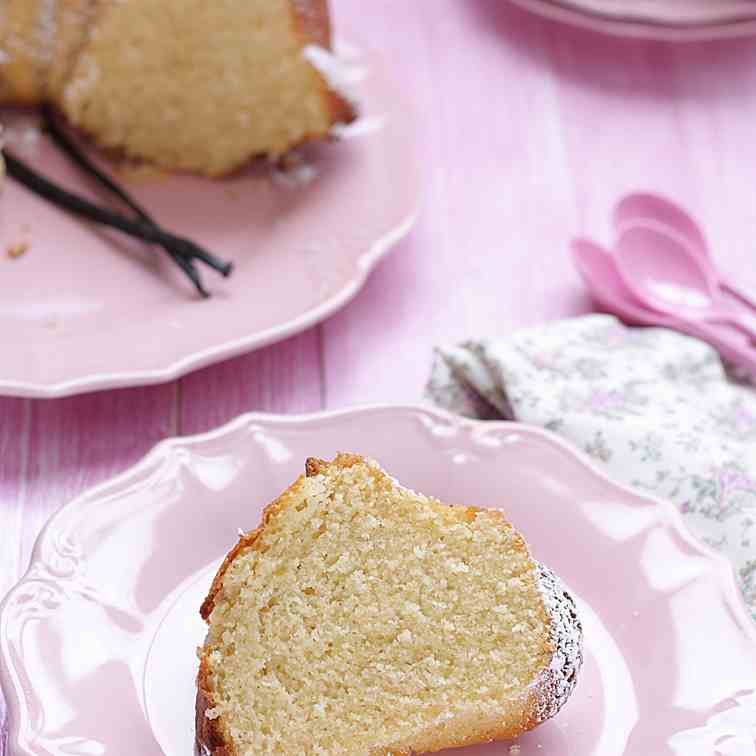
[
  {"x": 663, "y": 275},
  {"x": 651, "y": 210},
  {"x": 599, "y": 273}
]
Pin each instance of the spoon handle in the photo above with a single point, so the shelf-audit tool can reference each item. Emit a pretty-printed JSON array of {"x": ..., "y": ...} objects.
[
  {"x": 732, "y": 347},
  {"x": 744, "y": 322},
  {"x": 741, "y": 294}
]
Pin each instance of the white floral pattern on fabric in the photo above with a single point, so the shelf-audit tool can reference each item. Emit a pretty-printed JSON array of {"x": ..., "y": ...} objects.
[{"x": 656, "y": 408}]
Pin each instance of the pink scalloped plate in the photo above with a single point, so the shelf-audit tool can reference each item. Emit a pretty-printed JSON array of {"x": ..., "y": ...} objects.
[
  {"x": 672, "y": 20},
  {"x": 97, "y": 641},
  {"x": 82, "y": 309}
]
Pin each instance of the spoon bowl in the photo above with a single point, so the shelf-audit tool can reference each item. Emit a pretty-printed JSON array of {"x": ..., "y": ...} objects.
[
  {"x": 662, "y": 274},
  {"x": 599, "y": 273},
  {"x": 655, "y": 267},
  {"x": 653, "y": 211}
]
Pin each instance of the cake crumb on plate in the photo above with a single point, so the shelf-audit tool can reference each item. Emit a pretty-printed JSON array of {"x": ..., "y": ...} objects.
[{"x": 18, "y": 249}]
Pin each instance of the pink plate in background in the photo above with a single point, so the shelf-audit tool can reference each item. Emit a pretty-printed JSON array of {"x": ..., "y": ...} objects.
[
  {"x": 81, "y": 310},
  {"x": 674, "y": 20},
  {"x": 97, "y": 641}
]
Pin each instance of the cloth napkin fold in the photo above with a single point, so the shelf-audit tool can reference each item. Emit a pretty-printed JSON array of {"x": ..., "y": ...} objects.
[{"x": 654, "y": 407}]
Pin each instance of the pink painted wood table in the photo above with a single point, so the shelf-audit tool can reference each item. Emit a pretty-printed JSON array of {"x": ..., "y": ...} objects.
[{"x": 531, "y": 131}]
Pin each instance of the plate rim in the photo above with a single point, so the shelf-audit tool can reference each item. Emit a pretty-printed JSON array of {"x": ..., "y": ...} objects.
[
  {"x": 638, "y": 28},
  {"x": 363, "y": 267},
  {"x": 165, "y": 452}
]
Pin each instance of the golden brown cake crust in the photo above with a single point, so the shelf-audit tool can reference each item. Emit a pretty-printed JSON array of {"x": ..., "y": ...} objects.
[
  {"x": 544, "y": 699},
  {"x": 313, "y": 21},
  {"x": 210, "y": 735}
]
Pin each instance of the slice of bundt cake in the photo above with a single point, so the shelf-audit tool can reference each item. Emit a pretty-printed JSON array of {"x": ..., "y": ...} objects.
[
  {"x": 362, "y": 618},
  {"x": 202, "y": 86}
]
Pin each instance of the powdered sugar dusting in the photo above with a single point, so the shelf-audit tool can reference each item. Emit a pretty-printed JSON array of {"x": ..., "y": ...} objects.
[
  {"x": 553, "y": 686},
  {"x": 293, "y": 170},
  {"x": 342, "y": 77},
  {"x": 359, "y": 127}
]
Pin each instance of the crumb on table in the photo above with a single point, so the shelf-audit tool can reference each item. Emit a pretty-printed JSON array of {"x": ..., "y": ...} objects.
[{"x": 17, "y": 249}]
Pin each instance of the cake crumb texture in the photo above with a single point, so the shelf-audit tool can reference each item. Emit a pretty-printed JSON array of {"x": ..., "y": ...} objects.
[{"x": 363, "y": 618}]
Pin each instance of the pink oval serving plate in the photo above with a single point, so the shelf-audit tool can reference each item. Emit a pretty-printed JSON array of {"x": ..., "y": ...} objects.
[
  {"x": 672, "y": 20},
  {"x": 82, "y": 309},
  {"x": 97, "y": 641}
]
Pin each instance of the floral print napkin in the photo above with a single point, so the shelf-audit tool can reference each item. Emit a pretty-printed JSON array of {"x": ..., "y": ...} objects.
[{"x": 656, "y": 408}]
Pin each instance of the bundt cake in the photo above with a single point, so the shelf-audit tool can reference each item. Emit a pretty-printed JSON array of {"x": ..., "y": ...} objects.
[
  {"x": 185, "y": 84},
  {"x": 363, "y": 618}
]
